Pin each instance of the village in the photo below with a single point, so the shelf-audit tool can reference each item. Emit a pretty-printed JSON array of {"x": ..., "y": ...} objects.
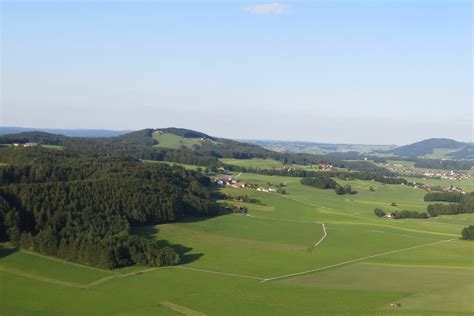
[
  {"x": 428, "y": 173},
  {"x": 25, "y": 145},
  {"x": 234, "y": 183}
]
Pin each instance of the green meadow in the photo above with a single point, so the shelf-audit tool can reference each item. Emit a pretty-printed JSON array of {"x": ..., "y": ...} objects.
[
  {"x": 253, "y": 163},
  {"x": 168, "y": 140},
  {"x": 305, "y": 253}
]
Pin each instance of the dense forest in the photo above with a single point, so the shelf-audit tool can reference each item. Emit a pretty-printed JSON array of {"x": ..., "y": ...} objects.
[{"x": 81, "y": 208}]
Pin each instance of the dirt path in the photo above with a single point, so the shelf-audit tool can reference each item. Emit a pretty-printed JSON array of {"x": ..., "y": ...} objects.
[{"x": 324, "y": 236}]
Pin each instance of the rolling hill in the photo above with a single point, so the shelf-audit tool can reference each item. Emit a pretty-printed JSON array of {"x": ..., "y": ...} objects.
[{"x": 435, "y": 148}]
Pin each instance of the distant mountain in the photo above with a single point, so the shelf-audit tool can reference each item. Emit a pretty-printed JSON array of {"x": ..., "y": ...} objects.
[
  {"x": 428, "y": 146},
  {"x": 66, "y": 132}
]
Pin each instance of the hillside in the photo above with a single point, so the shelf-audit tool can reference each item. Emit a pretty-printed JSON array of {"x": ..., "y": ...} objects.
[
  {"x": 72, "y": 216},
  {"x": 82, "y": 208},
  {"x": 66, "y": 132},
  {"x": 428, "y": 147},
  {"x": 182, "y": 146}
]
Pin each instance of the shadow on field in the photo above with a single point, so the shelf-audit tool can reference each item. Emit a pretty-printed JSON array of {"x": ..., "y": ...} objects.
[
  {"x": 151, "y": 232},
  {"x": 182, "y": 251},
  {"x": 6, "y": 251}
]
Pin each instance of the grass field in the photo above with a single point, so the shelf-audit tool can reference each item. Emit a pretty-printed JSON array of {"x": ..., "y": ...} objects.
[
  {"x": 441, "y": 153},
  {"x": 267, "y": 262},
  {"x": 186, "y": 166},
  {"x": 258, "y": 163},
  {"x": 253, "y": 163},
  {"x": 55, "y": 147},
  {"x": 167, "y": 140}
]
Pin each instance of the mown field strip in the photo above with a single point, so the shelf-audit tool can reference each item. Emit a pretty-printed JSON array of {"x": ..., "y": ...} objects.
[
  {"x": 182, "y": 309},
  {"x": 390, "y": 226},
  {"x": 321, "y": 207},
  {"x": 351, "y": 261},
  {"x": 65, "y": 261},
  {"x": 279, "y": 220},
  {"x": 143, "y": 271}
]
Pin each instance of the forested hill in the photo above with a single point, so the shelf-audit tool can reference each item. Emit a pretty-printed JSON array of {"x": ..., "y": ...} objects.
[
  {"x": 427, "y": 146},
  {"x": 81, "y": 208},
  {"x": 145, "y": 144},
  {"x": 67, "y": 132}
]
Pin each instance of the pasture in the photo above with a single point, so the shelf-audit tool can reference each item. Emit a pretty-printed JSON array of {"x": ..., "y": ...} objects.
[
  {"x": 168, "y": 140},
  {"x": 253, "y": 163},
  {"x": 269, "y": 262}
]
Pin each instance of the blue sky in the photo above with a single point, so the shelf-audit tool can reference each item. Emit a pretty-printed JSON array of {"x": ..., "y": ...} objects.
[{"x": 330, "y": 71}]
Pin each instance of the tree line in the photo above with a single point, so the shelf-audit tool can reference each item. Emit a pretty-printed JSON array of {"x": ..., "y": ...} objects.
[
  {"x": 323, "y": 181},
  {"x": 458, "y": 204},
  {"x": 400, "y": 214}
]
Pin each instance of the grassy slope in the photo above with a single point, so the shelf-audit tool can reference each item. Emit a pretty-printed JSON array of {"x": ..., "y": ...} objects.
[
  {"x": 186, "y": 166},
  {"x": 253, "y": 163},
  {"x": 277, "y": 239},
  {"x": 21, "y": 262},
  {"x": 167, "y": 140}
]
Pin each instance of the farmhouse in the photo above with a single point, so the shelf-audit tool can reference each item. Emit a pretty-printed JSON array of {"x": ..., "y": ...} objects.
[
  {"x": 25, "y": 145},
  {"x": 224, "y": 180},
  {"x": 229, "y": 181},
  {"x": 325, "y": 166},
  {"x": 266, "y": 189}
]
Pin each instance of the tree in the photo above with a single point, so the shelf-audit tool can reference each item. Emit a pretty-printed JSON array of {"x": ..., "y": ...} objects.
[
  {"x": 379, "y": 212},
  {"x": 467, "y": 233},
  {"x": 340, "y": 190},
  {"x": 348, "y": 189}
]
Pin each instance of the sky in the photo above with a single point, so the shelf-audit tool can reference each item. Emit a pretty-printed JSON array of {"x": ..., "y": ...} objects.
[{"x": 372, "y": 71}]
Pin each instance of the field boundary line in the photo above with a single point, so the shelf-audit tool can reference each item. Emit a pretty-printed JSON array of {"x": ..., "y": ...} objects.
[
  {"x": 294, "y": 221},
  {"x": 422, "y": 266},
  {"x": 370, "y": 223},
  {"x": 222, "y": 273},
  {"x": 352, "y": 261},
  {"x": 143, "y": 271},
  {"x": 324, "y": 236},
  {"x": 65, "y": 261},
  {"x": 42, "y": 279},
  {"x": 101, "y": 281},
  {"x": 333, "y": 210}
]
